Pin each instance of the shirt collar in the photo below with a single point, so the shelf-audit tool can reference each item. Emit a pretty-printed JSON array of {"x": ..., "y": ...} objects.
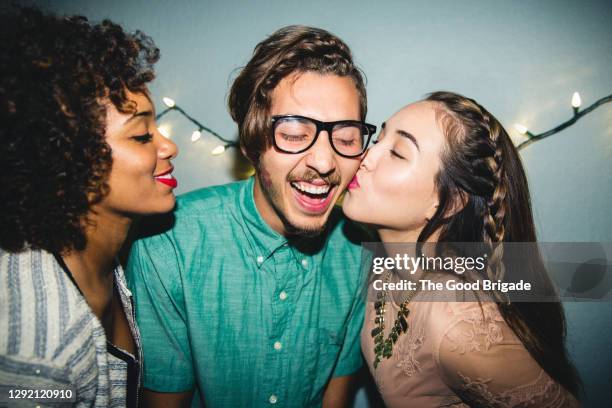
[{"x": 263, "y": 239}]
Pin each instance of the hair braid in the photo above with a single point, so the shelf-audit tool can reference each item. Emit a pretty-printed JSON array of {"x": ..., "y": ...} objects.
[
  {"x": 495, "y": 213},
  {"x": 479, "y": 138}
]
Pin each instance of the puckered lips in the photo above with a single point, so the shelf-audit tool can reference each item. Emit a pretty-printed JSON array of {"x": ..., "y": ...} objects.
[
  {"x": 354, "y": 183},
  {"x": 166, "y": 178},
  {"x": 313, "y": 196}
]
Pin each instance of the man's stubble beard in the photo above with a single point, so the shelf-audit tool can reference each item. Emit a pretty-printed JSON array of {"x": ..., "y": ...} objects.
[{"x": 274, "y": 198}]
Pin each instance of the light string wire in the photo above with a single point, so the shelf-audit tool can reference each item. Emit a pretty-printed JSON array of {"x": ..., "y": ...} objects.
[
  {"x": 531, "y": 137},
  {"x": 578, "y": 113},
  {"x": 172, "y": 106}
]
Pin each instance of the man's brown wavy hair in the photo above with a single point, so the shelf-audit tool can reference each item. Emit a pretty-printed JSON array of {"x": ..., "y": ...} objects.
[
  {"x": 54, "y": 74},
  {"x": 292, "y": 49}
]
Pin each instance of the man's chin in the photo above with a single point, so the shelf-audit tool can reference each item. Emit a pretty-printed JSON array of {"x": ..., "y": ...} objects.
[{"x": 306, "y": 228}]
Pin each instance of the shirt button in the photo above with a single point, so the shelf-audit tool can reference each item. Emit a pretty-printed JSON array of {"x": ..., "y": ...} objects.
[
  {"x": 260, "y": 259},
  {"x": 273, "y": 399},
  {"x": 282, "y": 295},
  {"x": 278, "y": 345},
  {"x": 304, "y": 263}
]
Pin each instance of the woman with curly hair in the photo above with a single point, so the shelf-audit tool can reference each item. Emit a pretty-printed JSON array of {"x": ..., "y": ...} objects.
[
  {"x": 445, "y": 172},
  {"x": 81, "y": 160}
]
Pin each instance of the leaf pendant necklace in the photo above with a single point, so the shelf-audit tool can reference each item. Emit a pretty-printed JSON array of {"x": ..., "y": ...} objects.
[{"x": 383, "y": 348}]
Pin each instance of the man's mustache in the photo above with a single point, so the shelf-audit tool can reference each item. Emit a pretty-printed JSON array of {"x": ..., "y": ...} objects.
[{"x": 309, "y": 176}]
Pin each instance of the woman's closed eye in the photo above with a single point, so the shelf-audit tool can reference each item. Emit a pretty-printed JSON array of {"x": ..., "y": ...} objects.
[
  {"x": 146, "y": 138},
  {"x": 394, "y": 153}
]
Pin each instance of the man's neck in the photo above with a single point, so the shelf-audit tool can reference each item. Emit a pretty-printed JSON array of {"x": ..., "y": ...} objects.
[{"x": 266, "y": 210}]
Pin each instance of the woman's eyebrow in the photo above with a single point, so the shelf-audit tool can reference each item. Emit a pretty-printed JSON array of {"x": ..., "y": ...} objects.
[
  {"x": 403, "y": 133},
  {"x": 407, "y": 135},
  {"x": 146, "y": 114}
]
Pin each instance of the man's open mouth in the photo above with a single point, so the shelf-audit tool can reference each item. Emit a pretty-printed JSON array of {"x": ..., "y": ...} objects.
[{"x": 313, "y": 197}]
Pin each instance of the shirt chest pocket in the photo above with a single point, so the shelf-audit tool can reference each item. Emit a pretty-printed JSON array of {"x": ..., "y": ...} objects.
[{"x": 323, "y": 348}]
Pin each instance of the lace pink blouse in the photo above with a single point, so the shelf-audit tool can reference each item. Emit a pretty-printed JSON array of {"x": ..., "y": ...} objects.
[{"x": 456, "y": 354}]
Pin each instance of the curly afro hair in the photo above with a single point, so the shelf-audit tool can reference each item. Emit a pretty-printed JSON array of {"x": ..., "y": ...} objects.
[{"x": 54, "y": 74}]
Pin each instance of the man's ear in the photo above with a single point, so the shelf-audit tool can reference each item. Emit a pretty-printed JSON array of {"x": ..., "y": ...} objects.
[{"x": 246, "y": 156}]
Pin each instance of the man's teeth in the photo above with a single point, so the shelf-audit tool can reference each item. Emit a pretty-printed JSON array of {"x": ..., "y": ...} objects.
[
  {"x": 311, "y": 189},
  {"x": 165, "y": 176}
]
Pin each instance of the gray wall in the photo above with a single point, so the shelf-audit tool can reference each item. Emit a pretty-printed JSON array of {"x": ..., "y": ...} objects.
[{"x": 520, "y": 59}]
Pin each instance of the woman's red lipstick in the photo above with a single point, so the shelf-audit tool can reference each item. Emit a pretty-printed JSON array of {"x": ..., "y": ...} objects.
[{"x": 167, "y": 178}]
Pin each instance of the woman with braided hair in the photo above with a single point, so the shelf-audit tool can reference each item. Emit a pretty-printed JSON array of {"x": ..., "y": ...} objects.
[
  {"x": 444, "y": 170},
  {"x": 81, "y": 160}
]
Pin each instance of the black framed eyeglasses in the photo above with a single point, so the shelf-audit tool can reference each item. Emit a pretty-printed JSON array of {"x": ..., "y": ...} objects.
[{"x": 295, "y": 134}]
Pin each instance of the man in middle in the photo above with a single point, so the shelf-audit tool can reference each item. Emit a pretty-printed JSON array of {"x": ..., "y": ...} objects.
[{"x": 255, "y": 295}]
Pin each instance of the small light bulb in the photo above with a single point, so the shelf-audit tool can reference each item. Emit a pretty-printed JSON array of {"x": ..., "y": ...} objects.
[
  {"x": 522, "y": 129},
  {"x": 218, "y": 150},
  {"x": 576, "y": 101},
  {"x": 164, "y": 131},
  {"x": 169, "y": 102},
  {"x": 196, "y": 135}
]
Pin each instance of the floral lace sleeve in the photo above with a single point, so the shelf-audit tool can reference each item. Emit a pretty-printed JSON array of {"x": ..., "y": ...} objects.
[{"x": 483, "y": 361}]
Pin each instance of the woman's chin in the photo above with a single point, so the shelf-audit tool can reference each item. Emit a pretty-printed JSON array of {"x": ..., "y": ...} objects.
[
  {"x": 353, "y": 210},
  {"x": 161, "y": 206}
]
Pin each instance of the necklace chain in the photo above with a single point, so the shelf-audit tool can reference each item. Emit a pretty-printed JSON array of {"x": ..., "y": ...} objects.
[{"x": 383, "y": 347}]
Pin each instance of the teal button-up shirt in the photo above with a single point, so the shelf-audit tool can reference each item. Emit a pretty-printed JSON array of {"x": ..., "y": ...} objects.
[{"x": 229, "y": 306}]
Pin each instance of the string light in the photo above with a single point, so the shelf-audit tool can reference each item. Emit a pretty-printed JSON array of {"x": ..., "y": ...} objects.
[
  {"x": 576, "y": 101},
  {"x": 217, "y": 151},
  {"x": 169, "y": 102},
  {"x": 197, "y": 134},
  {"x": 165, "y": 131},
  {"x": 522, "y": 129},
  {"x": 578, "y": 113}
]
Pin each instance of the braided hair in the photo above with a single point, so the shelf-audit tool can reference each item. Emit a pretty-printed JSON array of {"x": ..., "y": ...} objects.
[{"x": 483, "y": 186}]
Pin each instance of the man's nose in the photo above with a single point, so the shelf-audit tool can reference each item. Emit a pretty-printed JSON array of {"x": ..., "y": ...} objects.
[{"x": 321, "y": 157}]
